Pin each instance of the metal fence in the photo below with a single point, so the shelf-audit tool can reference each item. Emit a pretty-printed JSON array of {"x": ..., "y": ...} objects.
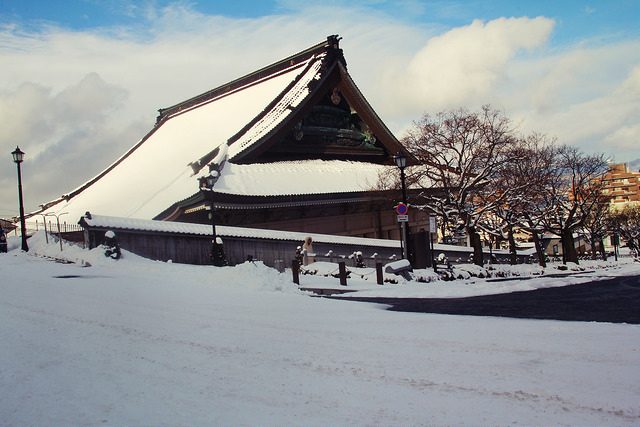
[{"x": 50, "y": 226}]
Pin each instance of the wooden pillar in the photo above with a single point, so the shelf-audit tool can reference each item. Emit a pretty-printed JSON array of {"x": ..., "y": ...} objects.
[
  {"x": 343, "y": 273},
  {"x": 379, "y": 275},
  {"x": 295, "y": 269}
]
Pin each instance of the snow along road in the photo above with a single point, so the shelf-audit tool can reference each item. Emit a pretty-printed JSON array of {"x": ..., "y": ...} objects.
[{"x": 147, "y": 343}]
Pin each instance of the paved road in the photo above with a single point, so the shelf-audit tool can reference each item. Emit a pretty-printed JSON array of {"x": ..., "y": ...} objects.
[{"x": 613, "y": 300}]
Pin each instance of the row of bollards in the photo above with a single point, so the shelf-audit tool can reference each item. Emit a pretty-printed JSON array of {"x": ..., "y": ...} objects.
[{"x": 342, "y": 270}]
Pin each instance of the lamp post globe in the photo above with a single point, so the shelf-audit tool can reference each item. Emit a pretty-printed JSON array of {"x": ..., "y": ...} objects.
[
  {"x": 18, "y": 157},
  {"x": 401, "y": 160}
]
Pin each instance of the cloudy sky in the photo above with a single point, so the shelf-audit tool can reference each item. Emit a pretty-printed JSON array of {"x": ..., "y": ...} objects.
[{"x": 81, "y": 80}]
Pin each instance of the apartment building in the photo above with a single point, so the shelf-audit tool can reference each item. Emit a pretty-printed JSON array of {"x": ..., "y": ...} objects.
[{"x": 622, "y": 185}]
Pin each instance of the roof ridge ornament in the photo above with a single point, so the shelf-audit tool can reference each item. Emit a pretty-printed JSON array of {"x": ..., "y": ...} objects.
[
  {"x": 334, "y": 41},
  {"x": 215, "y": 159}
]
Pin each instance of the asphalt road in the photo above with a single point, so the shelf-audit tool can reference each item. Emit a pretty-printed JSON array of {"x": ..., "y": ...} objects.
[{"x": 613, "y": 300}]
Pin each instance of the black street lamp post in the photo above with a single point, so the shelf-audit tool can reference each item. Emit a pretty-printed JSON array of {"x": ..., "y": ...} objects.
[
  {"x": 401, "y": 162},
  {"x": 18, "y": 157},
  {"x": 217, "y": 256}
]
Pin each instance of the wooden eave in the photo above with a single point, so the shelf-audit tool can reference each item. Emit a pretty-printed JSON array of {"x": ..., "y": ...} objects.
[{"x": 242, "y": 202}]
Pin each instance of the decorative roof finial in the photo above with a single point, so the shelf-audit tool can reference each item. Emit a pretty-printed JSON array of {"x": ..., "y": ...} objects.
[{"x": 334, "y": 41}]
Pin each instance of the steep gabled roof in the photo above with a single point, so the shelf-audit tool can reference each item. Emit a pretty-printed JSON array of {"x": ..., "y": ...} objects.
[
  {"x": 250, "y": 115},
  {"x": 324, "y": 74}
]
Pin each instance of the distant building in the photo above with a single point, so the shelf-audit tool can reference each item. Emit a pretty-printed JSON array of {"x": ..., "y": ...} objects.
[{"x": 622, "y": 185}]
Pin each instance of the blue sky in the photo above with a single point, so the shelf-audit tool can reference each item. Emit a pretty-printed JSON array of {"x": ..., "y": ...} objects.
[
  {"x": 81, "y": 81},
  {"x": 577, "y": 20}
]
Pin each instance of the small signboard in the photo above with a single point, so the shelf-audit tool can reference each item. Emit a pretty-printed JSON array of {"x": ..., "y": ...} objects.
[
  {"x": 432, "y": 224},
  {"x": 403, "y": 218},
  {"x": 402, "y": 209}
]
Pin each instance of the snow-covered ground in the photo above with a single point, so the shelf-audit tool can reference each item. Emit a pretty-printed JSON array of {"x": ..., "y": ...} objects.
[{"x": 137, "y": 342}]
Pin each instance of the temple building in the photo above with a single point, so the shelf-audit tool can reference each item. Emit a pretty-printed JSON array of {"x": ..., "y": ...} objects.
[{"x": 294, "y": 146}]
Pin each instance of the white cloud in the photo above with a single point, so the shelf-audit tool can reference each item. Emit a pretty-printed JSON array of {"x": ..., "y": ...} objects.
[
  {"x": 31, "y": 116},
  {"x": 589, "y": 98},
  {"x": 463, "y": 65}
]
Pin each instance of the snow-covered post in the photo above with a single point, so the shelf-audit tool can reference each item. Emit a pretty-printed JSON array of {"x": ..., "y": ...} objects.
[
  {"x": 330, "y": 256},
  {"x": 299, "y": 256},
  {"x": 111, "y": 246}
]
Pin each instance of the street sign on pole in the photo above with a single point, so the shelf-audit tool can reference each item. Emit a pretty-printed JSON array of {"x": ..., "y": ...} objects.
[
  {"x": 402, "y": 209},
  {"x": 403, "y": 218},
  {"x": 432, "y": 224}
]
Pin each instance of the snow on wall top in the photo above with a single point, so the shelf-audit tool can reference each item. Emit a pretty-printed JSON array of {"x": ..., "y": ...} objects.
[{"x": 118, "y": 223}]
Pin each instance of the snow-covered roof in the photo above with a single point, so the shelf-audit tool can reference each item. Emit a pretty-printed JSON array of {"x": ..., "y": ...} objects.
[
  {"x": 118, "y": 223},
  {"x": 298, "y": 177},
  {"x": 156, "y": 172}
]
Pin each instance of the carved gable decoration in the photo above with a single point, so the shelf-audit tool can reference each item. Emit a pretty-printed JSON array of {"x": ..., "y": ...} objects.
[
  {"x": 322, "y": 115},
  {"x": 332, "y": 129}
]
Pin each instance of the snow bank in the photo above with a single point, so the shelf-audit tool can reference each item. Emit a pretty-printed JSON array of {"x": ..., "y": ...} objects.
[{"x": 249, "y": 276}]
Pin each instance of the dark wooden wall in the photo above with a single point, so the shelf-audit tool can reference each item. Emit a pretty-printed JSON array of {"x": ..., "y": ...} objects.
[{"x": 195, "y": 249}]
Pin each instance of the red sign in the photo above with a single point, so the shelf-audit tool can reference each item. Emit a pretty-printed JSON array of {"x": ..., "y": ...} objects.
[{"x": 401, "y": 209}]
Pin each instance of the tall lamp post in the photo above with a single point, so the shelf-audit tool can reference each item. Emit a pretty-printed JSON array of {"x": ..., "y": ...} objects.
[
  {"x": 18, "y": 157},
  {"x": 206, "y": 186},
  {"x": 401, "y": 162}
]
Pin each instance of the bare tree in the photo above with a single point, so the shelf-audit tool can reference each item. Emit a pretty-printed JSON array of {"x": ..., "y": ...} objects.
[
  {"x": 626, "y": 223},
  {"x": 573, "y": 191},
  {"x": 460, "y": 152},
  {"x": 522, "y": 179},
  {"x": 596, "y": 224}
]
